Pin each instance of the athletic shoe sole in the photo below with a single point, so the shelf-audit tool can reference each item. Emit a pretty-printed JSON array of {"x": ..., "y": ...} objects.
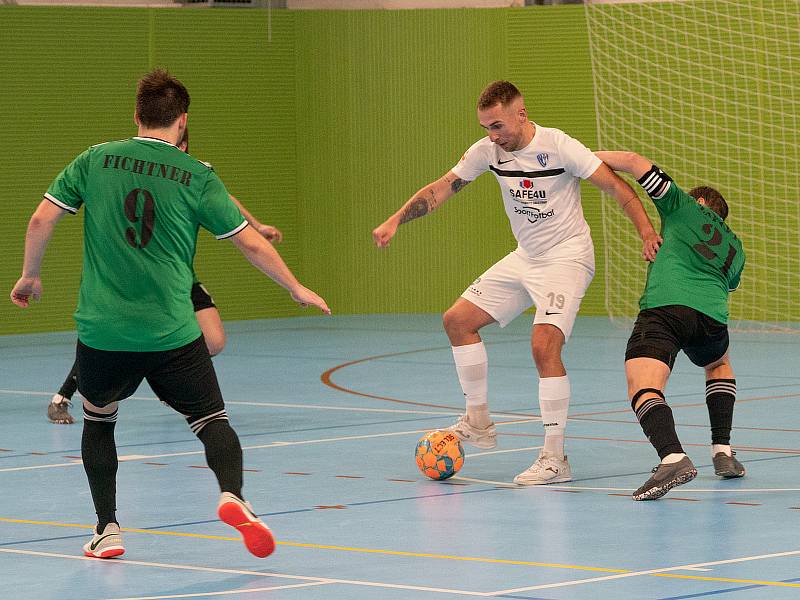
[
  {"x": 109, "y": 552},
  {"x": 257, "y": 536},
  {"x": 519, "y": 481},
  {"x": 655, "y": 493}
]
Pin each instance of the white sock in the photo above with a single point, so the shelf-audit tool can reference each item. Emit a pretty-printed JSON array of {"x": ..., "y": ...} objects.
[
  {"x": 717, "y": 448},
  {"x": 554, "y": 393},
  {"x": 472, "y": 366},
  {"x": 673, "y": 458}
]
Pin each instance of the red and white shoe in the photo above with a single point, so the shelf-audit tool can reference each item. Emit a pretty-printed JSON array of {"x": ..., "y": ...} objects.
[
  {"x": 239, "y": 514},
  {"x": 107, "y": 544}
]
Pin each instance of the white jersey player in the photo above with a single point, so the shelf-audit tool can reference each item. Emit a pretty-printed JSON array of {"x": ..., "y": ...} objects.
[{"x": 539, "y": 171}]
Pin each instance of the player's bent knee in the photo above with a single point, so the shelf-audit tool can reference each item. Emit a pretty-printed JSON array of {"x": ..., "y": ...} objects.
[
  {"x": 645, "y": 394},
  {"x": 198, "y": 423},
  {"x": 100, "y": 414}
]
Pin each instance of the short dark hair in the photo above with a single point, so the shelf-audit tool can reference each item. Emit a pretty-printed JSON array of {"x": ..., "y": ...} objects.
[
  {"x": 498, "y": 92},
  {"x": 713, "y": 199},
  {"x": 160, "y": 99}
]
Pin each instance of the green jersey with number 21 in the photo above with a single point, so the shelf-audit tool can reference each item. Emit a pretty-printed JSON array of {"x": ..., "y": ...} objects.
[{"x": 700, "y": 261}]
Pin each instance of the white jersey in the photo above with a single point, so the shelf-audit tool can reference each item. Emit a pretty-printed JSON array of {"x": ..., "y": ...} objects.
[{"x": 540, "y": 185}]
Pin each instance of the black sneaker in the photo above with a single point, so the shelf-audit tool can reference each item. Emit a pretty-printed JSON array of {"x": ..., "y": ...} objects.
[
  {"x": 58, "y": 410},
  {"x": 727, "y": 466},
  {"x": 666, "y": 477}
]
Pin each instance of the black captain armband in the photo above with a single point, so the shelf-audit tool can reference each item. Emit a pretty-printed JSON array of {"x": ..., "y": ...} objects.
[{"x": 655, "y": 182}]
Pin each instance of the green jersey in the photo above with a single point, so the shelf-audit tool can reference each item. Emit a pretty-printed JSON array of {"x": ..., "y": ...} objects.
[
  {"x": 145, "y": 202},
  {"x": 701, "y": 259}
]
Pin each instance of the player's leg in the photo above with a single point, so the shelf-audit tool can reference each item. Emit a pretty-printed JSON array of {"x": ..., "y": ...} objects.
[
  {"x": 557, "y": 288},
  {"x": 208, "y": 318},
  {"x": 712, "y": 355},
  {"x": 494, "y": 296},
  {"x": 654, "y": 343},
  {"x": 105, "y": 379},
  {"x": 58, "y": 408},
  {"x": 185, "y": 379}
]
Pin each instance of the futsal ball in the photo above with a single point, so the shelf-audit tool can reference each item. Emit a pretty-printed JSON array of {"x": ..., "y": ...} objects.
[{"x": 439, "y": 454}]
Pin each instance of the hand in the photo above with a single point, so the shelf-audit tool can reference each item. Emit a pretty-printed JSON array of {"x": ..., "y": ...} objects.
[
  {"x": 304, "y": 296},
  {"x": 383, "y": 233},
  {"x": 25, "y": 288},
  {"x": 650, "y": 245},
  {"x": 270, "y": 233}
]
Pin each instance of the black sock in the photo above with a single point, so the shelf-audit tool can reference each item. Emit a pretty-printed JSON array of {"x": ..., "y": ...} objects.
[
  {"x": 720, "y": 397},
  {"x": 224, "y": 455},
  {"x": 656, "y": 420},
  {"x": 70, "y": 384},
  {"x": 99, "y": 453}
]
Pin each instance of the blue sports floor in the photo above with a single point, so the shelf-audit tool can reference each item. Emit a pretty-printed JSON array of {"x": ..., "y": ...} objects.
[{"x": 329, "y": 410}]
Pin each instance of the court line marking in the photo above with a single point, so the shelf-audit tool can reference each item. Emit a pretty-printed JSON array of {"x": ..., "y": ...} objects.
[
  {"x": 449, "y": 412},
  {"x": 276, "y": 444},
  {"x": 618, "y": 573},
  {"x": 664, "y": 573},
  {"x": 684, "y": 490},
  {"x": 228, "y": 592},
  {"x": 320, "y": 580}
]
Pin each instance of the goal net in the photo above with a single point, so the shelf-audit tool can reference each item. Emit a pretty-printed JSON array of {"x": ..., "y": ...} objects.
[{"x": 710, "y": 91}]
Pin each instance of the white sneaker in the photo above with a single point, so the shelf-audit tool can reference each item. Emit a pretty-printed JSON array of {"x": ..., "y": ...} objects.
[
  {"x": 546, "y": 469},
  {"x": 475, "y": 436},
  {"x": 107, "y": 544}
]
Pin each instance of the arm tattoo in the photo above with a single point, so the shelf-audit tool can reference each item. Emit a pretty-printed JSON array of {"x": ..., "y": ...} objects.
[
  {"x": 457, "y": 185},
  {"x": 418, "y": 207}
]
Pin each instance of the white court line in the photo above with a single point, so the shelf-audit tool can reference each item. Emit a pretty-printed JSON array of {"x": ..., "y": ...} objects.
[
  {"x": 308, "y": 406},
  {"x": 132, "y": 457},
  {"x": 683, "y": 490},
  {"x": 321, "y": 580},
  {"x": 472, "y": 455},
  {"x": 227, "y": 592},
  {"x": 640, "y": 573}
]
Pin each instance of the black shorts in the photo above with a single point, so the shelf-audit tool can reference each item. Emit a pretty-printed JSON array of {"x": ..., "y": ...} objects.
[
  {"x": 662, "y": 332},
  {"x": 183, "y": 378},
  {"x": 201, "y": 299}
]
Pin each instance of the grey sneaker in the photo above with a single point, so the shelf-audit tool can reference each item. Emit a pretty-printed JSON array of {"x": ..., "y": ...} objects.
[
  {"x": 546, "y": 469},
  {"x": 475, "y": 436},
  {"x": 58, "y": 410},
  {"x": 727, "y": 466},
  {"x": 666, "y": 477},
  {"x": 107, "y": 544}
]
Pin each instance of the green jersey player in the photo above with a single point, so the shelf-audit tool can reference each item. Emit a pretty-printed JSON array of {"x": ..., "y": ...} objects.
[
  {"x": 204, "y": 310},
  {"x": 145, "y": 201},
  {"x": 684, "y": 307}
]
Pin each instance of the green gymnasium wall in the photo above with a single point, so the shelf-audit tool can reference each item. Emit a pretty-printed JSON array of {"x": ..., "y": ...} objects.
[{"x": 322, "y": 123}]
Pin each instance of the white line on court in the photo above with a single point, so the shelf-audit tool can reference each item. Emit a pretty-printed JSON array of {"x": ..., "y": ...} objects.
[
  {"x": 683, "y": 490},
  {"x": 132, "y": 457},
  {"x": 640, "y": 573},
  {"x": 228, "y": 592},
  {"x": 320, "y": 580},
  {"x": 306, "y": 406},
  {"x": 473, "y": 455}
]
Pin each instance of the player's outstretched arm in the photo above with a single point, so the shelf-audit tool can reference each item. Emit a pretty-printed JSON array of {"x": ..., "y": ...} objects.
[
  {"x": 266, "y": 259},
  {"x": 627, "y": 162},
  {"x": 611, "y": 183},
  {"x": 40, "y": 229},
  {"x": 268, "y": 232},
  {"x": 420, "y": 204}
]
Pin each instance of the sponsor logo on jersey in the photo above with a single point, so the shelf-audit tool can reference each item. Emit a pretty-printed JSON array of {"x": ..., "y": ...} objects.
[
  {"x": 533, "y": 214},
  {"x": 542, "y": 157},
  {"x": 526, "y": 194}
]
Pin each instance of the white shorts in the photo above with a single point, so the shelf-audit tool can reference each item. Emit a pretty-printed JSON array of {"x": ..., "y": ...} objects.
[{"x": 555, "y": 286}]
